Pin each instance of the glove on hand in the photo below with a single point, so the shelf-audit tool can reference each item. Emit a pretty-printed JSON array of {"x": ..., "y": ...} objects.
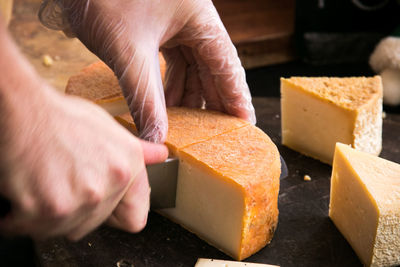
[
  {"x": 202, "y": 63},
  {"x": 70, "y": 168}
]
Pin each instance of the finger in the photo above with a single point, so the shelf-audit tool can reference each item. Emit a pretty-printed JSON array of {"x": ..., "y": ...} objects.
[
  {"x": 206, "y": 34},
  {"x": 91, "y": 216},
  {"x": 193, "y": 94},
  {"x": 154, "y": 153},
  {"x": 210, "y": 92},
  {"x": 142, "y": 86},
  {"x": 175, "y": 76},
  {"x": 131, "y": 213}
]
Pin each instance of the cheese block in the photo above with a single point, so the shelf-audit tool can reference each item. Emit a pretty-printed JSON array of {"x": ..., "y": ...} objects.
[
  {"x": 365, "y": 205},
  {"x": 98, "y": 83},
  {"x": 228, "y": 180},
  {"x": 221, "y": 263},
  {"x": 318, "y": 112}
]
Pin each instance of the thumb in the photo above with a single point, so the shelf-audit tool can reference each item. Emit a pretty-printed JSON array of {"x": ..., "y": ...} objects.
[
  {"x": 153, "y": 153},
  {"x": 144, "y": 93}
]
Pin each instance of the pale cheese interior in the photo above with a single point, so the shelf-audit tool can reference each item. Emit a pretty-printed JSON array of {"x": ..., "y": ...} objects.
[
  {"x": 318, "y": 112},
  {"x": 365, "y": 205},
  {"x": 210, "y": 205},
  {"x": 312, "y": 126}
]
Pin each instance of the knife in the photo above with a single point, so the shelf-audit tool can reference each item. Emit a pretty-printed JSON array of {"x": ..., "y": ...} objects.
[{"x": 163, "y": 179}]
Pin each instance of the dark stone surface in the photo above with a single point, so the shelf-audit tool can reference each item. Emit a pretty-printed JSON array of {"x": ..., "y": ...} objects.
[{"x": 305, "y": 235}]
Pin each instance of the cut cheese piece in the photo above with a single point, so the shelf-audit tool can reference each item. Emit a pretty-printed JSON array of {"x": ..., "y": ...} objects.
[
  {"x": 221, "y": 263},
  {"x": 318, "y": 112},
  {"x": 365, "y": 205},
  {"x": 226, "y": 193},
  {"x": 98, "y": 83},
  {"x": 228, "y": 183}
]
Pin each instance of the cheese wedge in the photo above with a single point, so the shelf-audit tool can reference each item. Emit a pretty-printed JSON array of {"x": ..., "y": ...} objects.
[
  {"x": 109, "y": 94},
  {"x": 365, "y": 205},
  {"x": 318, "y": 112},
  {"x": 228, "y": 180},
  {"x": 221, "y": 263}
]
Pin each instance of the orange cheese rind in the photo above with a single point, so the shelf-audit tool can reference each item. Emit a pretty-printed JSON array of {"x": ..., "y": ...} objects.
[{"x": 96, "y": 82}]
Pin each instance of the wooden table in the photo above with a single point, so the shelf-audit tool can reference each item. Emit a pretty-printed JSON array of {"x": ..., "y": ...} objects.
[
  {"x": 262, "y": 31},
  {"x": 305, "y": 235},
  {"x": 35, "y": 41}
]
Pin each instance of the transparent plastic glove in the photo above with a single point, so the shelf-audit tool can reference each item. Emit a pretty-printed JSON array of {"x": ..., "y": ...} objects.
[
  {"x": 202, "y": 63},
  {"x": 68, "y": 166}
]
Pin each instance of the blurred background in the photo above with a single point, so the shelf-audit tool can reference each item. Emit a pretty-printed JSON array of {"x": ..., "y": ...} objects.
[{"x": 274, "y": 39}]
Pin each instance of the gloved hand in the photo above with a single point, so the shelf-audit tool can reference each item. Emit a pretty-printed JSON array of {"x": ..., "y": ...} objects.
[
  {"x": 65, "y": 164},
  {"x": 202, "y": 63},
  {"x": 69, "y": 166}
]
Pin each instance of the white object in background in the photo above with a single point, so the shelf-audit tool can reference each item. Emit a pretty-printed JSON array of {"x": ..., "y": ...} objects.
[
  {"x": 221, "y": 263},
  {"x": 385, "y": 60},
  {"x": 391, "y": 86}
]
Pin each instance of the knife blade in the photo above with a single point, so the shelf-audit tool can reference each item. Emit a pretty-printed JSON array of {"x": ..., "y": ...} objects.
[{"x": 163, "y": 179}]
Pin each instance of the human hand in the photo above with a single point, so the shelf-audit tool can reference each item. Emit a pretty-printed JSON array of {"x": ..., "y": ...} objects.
[
  {"x": 202, "y": 63},
  {"x": 68, "y": 166}
]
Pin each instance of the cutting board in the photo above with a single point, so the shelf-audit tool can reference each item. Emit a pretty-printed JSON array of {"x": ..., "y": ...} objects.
[{"x": 305, "y": 235}]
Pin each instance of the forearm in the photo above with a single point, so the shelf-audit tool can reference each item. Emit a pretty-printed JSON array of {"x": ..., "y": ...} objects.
[
  {"x": 19, "y": 84},
  {"x": 23, "y": 97}
]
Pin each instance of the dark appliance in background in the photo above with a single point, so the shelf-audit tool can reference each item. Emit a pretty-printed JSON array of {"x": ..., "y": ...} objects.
[{"x": 343, "y": 31}]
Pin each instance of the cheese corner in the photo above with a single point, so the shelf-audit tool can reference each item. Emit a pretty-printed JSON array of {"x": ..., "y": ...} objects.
[{"x": 365, "y": 205}]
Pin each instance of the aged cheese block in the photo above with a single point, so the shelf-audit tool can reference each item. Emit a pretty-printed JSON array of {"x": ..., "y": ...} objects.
[
  {"x": 221, "y": 263},
  {"x": 228, "y": 180},
  {"x": 365, "y": 205},
  {"x": 318, "y": 112}
]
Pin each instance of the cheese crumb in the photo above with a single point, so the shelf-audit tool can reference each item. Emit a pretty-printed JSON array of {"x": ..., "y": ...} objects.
[
  {"x": 47, "y": 60},
  {"x": 307, "y": 177}
]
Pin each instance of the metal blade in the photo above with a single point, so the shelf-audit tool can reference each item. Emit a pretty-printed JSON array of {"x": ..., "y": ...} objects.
[
  {"x": 284, "y": 169},
  {"x": 163, "y": 180}
]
